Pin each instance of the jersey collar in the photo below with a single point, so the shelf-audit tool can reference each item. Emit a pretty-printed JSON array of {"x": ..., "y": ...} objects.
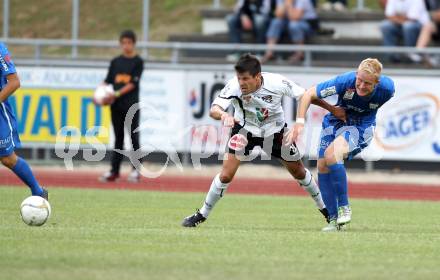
[{"x": 370, "y": 96}]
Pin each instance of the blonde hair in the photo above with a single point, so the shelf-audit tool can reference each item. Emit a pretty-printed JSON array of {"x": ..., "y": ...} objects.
[{"x": 371, "y": 66}]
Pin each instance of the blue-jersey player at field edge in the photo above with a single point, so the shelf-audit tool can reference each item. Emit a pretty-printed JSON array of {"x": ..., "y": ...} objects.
[
  {"x": 9, "y": 140},
  {"x": 361, "y": 94}
]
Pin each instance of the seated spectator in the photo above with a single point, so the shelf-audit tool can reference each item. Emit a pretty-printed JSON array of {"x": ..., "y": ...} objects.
[
  {"x": 249, "y": 15},
  {"x": 336, "y": 5},
  {"x": 429, "y": 31},
  {"x": 404, "y": 20},
  {"x": 300, "y": 20}
]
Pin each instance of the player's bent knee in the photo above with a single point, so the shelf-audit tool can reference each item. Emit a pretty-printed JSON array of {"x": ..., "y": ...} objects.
[
  {"x": 226, "y": 178},
  {"x": 297, "y": 170},
  {"x": 299, "y": 174},
  {"x": 322, "y": 166},
  {"x": 8, "y": 161},
  {"x": 329, "y": 157}
]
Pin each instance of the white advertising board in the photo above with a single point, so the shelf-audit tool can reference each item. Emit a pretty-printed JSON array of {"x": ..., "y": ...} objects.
[
  {"x": 162, "y": 101},
  {"x": 175, "y": 111},
  {"x": 162, "y": 122},
  {"x": 408, "y": 126}
]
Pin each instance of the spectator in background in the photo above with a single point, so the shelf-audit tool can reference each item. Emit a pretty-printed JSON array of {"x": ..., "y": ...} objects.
[
  {"x": 404, "y": 20},
  {"x": 124, "y": 74},
  {"x": 429, "y": 31},
  {"x": 336, "y": 5},
  {"x": 249, "y": 15},
  {"x": 301, "y": 21}
]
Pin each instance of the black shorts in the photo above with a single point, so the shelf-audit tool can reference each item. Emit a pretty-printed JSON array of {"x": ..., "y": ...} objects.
[{"x": 242, "y": 142}]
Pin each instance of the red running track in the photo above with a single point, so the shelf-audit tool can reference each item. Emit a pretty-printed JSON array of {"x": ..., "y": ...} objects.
[{"x": 83, "y": 179}]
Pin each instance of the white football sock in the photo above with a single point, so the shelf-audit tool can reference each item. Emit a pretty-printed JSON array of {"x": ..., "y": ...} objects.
[
  {"x": 310, "y": 186},
  {"x": 214, "y": 194}
]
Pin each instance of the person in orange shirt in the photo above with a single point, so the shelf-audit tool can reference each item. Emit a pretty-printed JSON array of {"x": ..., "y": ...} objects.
[{"x": 124, "y": 74}]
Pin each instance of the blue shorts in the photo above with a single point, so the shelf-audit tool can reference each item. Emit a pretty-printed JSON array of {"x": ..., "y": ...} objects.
[
  {"x": 9, "y": 139},
  {"x": 357, "y": 134}
]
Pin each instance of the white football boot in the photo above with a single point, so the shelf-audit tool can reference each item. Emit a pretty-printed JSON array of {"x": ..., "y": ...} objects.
[
  {"x": 332, "y": 226},
  {"x": 344, "y": 215}
]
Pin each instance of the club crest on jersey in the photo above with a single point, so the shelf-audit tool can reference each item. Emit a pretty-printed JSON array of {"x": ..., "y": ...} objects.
[
  {"x": 374, "y": 106},
  {"x": 262, "y": 114},
  {"x": 267, "y": 98},
  {"x": 349, "y": 93},
  {"x": 237, "y": 142},
  {"x": 328, "y": 91}
]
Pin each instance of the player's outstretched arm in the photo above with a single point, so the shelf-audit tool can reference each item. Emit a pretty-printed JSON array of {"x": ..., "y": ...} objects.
[
  {"x": 308, "y": 97},
  {"x": 304, "y": 105},
  {"x": 217, "y": 113},
  {"x": 12, "y": 85},
  {"x": 336, "y": 111}
]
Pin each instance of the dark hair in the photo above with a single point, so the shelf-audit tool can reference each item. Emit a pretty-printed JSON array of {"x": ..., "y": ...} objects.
[
  {"x": 129, "y": 34},
  {"x": 248, "y": 63}
]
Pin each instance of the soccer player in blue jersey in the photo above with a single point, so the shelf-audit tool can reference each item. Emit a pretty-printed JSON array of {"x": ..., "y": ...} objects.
[
  {"x": 361, "y": 94},
  {"x": 9, "y": 140}
]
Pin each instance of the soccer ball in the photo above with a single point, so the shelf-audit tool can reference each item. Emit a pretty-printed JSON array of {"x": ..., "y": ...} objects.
[
  {"x": 101, "y": 92},
  {"x": 35, "y": 210}
]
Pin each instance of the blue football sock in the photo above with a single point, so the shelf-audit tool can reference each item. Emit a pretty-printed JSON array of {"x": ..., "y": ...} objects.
[
  {"x": 338, "y": 177},
  {"x": 24, "y": 172},
  {"x": 328, "y": 194}
]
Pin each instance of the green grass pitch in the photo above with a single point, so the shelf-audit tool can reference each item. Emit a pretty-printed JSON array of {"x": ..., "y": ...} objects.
[{"x": 117, "y": 234}]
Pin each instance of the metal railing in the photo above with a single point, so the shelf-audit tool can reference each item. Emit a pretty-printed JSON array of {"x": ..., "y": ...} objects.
[
  {"x": 176, "y": 48},
  {"x": 216, "y": 4}
]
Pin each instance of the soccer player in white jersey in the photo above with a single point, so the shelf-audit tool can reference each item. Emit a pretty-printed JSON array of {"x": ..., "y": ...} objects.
[{"x": 258, "y": 121}]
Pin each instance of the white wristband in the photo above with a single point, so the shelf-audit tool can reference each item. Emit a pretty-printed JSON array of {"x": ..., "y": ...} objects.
[{"x": 300, "y": 120}]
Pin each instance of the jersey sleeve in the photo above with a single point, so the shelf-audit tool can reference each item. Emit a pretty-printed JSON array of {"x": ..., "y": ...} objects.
[
  {"x": 292, "y": 89},
  {"x": 224, "y": 103},
  {"x": 418, "y": 12},
  {"x": 389, "y": 94},
  {"x": 330, "y": 87},
  {"x": 109, "y": 79},
  {"x": 388, "y": 89},
  {"x": 137, "y": 72},
  {"x": 7, "y": 66},
  {"x": 390, "y": 8},
  {"x": 224, "y": 98}
]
